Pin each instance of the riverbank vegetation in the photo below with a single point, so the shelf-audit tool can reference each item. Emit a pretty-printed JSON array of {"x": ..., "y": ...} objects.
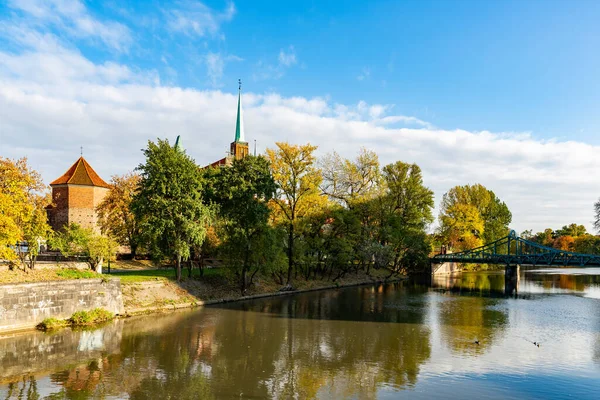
[
  {"x": 78, "y": 319},
  {"x": 286, "y": 216}
]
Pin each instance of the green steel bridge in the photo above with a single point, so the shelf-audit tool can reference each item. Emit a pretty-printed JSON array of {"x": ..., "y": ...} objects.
[{"x": 513, "y": 250}]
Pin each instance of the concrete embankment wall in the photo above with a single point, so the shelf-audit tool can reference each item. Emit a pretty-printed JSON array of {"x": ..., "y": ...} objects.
[
  {"x": 25, "y": 305},
  {"x": 445, "y": 268}
]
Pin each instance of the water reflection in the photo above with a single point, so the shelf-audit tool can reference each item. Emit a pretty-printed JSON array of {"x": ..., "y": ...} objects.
[{"x": 364, "y": 343}]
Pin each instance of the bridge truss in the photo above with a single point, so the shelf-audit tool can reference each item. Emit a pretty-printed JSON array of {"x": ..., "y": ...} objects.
[{"x": 513, "y": 250}]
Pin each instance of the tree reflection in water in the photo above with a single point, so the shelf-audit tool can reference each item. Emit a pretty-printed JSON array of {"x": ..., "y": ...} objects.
[{"x": 333, "y": 343}]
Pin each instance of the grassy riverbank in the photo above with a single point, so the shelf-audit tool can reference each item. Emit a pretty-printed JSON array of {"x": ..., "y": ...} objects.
[
  {"x": 148, "y": 292},
  {"x": 150, "y": 289}
]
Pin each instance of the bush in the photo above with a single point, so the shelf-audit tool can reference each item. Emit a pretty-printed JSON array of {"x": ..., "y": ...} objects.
[
  {"x": 95, "y": 316},
  {"x": 52, "y": 323}
]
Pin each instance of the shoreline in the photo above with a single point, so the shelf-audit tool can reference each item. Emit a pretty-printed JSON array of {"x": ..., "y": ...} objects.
[
  {"x": 201, "y": 303},
  {"x": 165, "y": 308}
]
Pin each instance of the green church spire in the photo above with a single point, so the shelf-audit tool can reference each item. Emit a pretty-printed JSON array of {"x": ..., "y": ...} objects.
[{"x": 239, "y": 124}]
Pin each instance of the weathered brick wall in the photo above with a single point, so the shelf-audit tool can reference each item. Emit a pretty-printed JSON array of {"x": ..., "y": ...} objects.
[
  {"x": 76, "y": 204},
  {"x": 27, "y": 304}
]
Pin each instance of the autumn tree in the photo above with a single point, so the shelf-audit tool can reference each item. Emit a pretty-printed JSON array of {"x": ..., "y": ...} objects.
[
  {"x": 472, "y": 215},
  {"x": 351, "y": 181},
  {"x": 114, "y": 213},
  {"x": 168, "y": 205},
  {"x": 75, "y": 240},
  {"x": 298, "y": 195},
  {"x": 22, "y": 215}
]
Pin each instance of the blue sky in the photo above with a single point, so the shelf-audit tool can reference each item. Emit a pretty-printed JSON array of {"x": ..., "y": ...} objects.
[
  {"x": 505, "y": 66},
  {"x": 491, "y": 92}
]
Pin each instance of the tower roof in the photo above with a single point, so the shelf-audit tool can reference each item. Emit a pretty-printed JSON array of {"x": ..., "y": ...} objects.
[
  {"x": 239, "y": 123},
  {"x": 81, "y": 173}
]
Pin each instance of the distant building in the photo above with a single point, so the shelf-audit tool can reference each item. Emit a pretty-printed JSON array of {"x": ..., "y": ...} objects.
[
  {"x": 75, "y": 196},
  {"x": 239, "y": 147}
]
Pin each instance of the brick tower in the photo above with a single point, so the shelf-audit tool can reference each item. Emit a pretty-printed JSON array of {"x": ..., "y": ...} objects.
[{"x": 75, "y": 196}]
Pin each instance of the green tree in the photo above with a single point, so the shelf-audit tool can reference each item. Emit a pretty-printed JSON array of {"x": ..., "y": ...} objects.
[
  {"x": 77, "y": 241},
  {"x": 115, "y": 215},
  {"x": 407, "y": 209},
  {"x": 573, "y": 230},
  {"x": 597, "y": 215},
  {"x": 298, "y": 196},
  {"x": 168, "y": 205},
  {"x": 242, "y": 193}
]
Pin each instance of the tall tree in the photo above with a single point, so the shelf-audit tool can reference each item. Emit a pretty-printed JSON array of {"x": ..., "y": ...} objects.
[
  {"x": 472, "y": 215},
  {"x": 407, "y": 210},
  {"x": 597, "y": 215},
  {"x": 115, "y": 215},
  {"x": 298, "y": 179},
  {"x": 22, "y": 215},
  {"x": 242, "y": 193},
  {"x": 573, "y": 230},
  {"x": 168, "y": 205},
  {"x": 351, "y": 181}
]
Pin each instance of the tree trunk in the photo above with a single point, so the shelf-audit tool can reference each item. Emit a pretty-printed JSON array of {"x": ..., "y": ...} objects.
[
  {"x": 178, "y": 271},
  {"x": 133, "y": 249},
  {"x": 290, "y": 254},
  {"x": 190, "y": 268}
]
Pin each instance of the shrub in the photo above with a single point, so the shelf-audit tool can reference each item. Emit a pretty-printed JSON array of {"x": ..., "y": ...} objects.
[
  {"x": 51, "y": 324},
  {"x": 95, "y": 316}
]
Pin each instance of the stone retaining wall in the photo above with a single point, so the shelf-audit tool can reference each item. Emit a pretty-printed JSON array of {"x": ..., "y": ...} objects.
[{"x": 27, "y": 304}]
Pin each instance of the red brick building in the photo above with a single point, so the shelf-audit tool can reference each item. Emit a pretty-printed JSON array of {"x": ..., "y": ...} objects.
[{"x": 75, "y": 196}]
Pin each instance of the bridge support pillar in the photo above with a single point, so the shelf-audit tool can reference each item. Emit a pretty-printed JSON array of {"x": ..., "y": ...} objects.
[
  {"x": 446, "y": 268},
  {"x": 511, "y": 279}
]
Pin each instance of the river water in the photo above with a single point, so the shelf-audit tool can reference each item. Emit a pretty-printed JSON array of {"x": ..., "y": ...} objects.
[{"x": 458, "y": 337}]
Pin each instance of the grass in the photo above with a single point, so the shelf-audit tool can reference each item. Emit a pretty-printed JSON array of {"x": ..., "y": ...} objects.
[
  {"x": 160, "y": 274},
  {"x": 79, "y": 318},
  {"x": 44, "y": 275},
  {"x": 68, "y": 273}
]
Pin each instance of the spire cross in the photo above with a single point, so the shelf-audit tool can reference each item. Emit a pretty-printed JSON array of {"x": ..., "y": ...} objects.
[
  {"x": 239, "y": 84},
  {"x": 81, "y": 150}
]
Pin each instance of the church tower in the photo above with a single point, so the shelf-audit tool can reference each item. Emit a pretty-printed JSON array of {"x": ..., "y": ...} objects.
[{"x": 239, "y": 147}]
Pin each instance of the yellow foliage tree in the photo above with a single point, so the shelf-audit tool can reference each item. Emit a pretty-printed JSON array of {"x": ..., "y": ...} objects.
[
  {"x": 115, "y": 215},
  {"x": 23, "y": 196},
  {"x": 461, "y": 226},
  {"x": 298, "y": 195}
]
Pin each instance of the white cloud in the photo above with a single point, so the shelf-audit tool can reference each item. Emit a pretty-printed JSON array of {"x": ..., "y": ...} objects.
[
  {"x": 53, "y": 100},
  {"x": 215, "y": 65},
  {"x": 194, "y": 18},
  {"x": 71, "y": 16},
  {"x": 365, "y": 74},
  {"x": 287, "y": 58}
]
